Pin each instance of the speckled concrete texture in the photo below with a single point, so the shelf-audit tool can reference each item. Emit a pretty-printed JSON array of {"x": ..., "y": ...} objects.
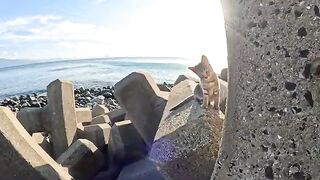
[
  {"x": 187, "y": 142},
  {"x": 272, "y": 121}
]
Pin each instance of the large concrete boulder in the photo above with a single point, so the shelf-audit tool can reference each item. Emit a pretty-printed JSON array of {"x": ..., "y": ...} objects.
[
  {"x": 84, "y": 115},
  {"x": 272, "y": 121},
  {"x": 180, "y": 93},
  {"x": 43, "y": 142},
  {"x": 31, "y": 119},
  {"x": 21, "y": 157},
  {"x": 60, "y": 115},
  {"x": 125, "y": 144},
  {"x": 102, "y": 119},
  {"x": 83, "y": 159},
  {"x": 140, "y": 96},
  {"x": 98, "y": 134},
  {"x": 99, "y": 110},
  {"x": 187, "y": 142},
  {"x": 116, "y": 115}
]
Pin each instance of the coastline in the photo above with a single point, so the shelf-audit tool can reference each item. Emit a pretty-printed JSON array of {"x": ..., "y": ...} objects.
[{"x": 84, "y": 98}]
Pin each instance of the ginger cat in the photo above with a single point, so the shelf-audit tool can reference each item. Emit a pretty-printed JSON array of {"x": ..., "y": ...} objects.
[{"x": 209, "y": 83}]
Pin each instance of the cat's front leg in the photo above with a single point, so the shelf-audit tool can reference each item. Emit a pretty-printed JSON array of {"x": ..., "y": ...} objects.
[
  {"x": 216, "y": 99},
  {"x": 206, "y": 101}
]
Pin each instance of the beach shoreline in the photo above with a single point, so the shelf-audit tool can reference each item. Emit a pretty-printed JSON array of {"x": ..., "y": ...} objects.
[{"x": 85, "y": 97}]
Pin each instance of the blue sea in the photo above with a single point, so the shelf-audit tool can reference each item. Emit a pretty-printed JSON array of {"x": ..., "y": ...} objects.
[{"x": 24, "y": 77}]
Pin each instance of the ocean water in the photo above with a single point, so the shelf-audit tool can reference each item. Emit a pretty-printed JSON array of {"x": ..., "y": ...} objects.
[{"x": 34, "y": 76}]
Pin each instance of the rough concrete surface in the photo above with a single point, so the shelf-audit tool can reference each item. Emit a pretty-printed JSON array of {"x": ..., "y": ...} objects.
[
  {"x": 140, "y": 96},
  {"x": 61, "y": 115},
  {"x": 98, "y": 134},
  {"x": 125, "y": 143},
  {"x": 187, "y": 142},
  {"x": 83, "y": 159},
  {"x": 84, "y": 115},
  {"x": 31, "y": 119},
  {"x": 99, "y": 110},
  {"x": 272, "y": 120},
  {"x": 21, "y": 157},
  {"x": 183, "y": 91}
]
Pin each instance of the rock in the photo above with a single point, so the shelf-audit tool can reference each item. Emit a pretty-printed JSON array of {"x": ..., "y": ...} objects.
[
  {"x": 35, "y": 104},
  {"x": 20, "y": 156},
  {"x": 144, "y": 169},
  {"x": 112, "y": 102},
  {"x": 31, "y": 98},
  {"x": 98, "y": 134},
  {"x": 98, "y": 100},
  {"x": 108, "y": 95},
  {"x": 26, "y": 104},
  {"x": 88, "y": 99},
  {"x": 83, "y": 159},
  {"x": 187, "y": 142},
  {"x": 140, "y": 96},
  {"x": 125, "y": 143},
  {"x": 98, "y": 110}
]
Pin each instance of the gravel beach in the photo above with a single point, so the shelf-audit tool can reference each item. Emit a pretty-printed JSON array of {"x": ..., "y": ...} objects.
[{"x": 84, "y": 98}]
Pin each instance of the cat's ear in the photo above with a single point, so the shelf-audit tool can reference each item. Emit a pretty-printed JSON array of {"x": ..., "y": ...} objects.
[
  {"x": 204, "y": 60},
  {"x": 192, "y": 69}
]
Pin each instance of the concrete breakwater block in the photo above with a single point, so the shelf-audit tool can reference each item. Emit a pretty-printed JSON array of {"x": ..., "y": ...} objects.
[
  {"x": 99, "y": 110},
  {"x": 116, "y": 115},
  {"x": 82, "y": 159},
  {"x": 180, "y": 93},
  {"x": 43, "y": 142},
  {"x": 125, "y": 143},
  {"x": 187, "y": 142},
  {"x": 101, "y": 120},
  {"x": 31, "y": 119},
  {"x": 61, "y": 115},
  {"x": 83, "y": 115},
  {"x": 21, "y": 157},
  {"x": 58, "y": 117},
  {"x": 144, "y": 103},
  {"x": 98, "y": 134},
  {"x": 272, "y": 121}
]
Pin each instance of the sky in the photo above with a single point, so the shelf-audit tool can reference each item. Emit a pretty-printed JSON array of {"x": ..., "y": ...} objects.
[{"x": 47, "y": 29}]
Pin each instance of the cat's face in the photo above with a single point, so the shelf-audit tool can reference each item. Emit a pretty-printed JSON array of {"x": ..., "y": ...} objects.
[{"x": 203, "y": 69}]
